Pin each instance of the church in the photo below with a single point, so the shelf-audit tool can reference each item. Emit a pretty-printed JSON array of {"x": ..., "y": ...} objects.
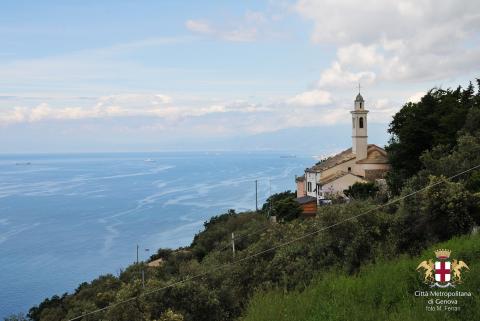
[{"x": 361, "y": 163}]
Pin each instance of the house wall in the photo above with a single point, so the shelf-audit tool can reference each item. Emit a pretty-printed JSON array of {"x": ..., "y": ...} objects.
[
  {"x": 374, "y": 174},
  {"x": 339, "y": 185},
  {"x": 312, "y": 179},
  {"x": 301, "y": 188},
  {"x": 309, "y": 209},
  {"x": 360, "y": 168},
  {"x": 340, "y": 168}
]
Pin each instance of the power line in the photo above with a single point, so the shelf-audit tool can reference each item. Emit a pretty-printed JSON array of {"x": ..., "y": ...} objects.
[
  {"x": 256, "y": 202},
  {"x": 273, "y": 247},
  {"x": 241, "y": 236}
]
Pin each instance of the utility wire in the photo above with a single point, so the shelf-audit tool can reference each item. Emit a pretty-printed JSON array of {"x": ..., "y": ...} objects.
[
  {"x": 241, "y": 236},
  {"x": 273, "y": 247},
  {"x": 229, "y": 245},
  {"x": 256, "y": 231}
]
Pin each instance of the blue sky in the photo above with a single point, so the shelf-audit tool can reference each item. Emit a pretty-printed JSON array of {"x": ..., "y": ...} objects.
[{"x": 155, "y": 75}]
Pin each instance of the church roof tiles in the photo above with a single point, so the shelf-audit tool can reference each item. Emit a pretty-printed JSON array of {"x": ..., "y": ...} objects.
[
  {"x": 376, "y": 155},
  {"x": 336, "y": 176},
  {"x": 332, "y": 161}
]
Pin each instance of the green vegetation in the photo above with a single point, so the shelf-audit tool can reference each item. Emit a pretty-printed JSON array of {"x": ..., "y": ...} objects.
[
  {"x": 283, "y": 206},
  {"x": 342, "y": 252},
  {"x": 361, "y": 190},
  {"x": 381, "y": 291},
  {"x": 437, "y": 120}
]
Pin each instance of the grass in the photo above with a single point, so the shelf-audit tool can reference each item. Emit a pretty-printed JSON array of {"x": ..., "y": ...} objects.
[{"x": 381, "y": 291}]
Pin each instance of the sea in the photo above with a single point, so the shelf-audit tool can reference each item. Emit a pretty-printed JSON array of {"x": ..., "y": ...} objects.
[{"x": 67, "y": 219}]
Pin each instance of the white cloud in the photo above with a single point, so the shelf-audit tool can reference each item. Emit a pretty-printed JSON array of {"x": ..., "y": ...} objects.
[
  {"x": 255, "y": 17},
  {"x": 401, "y": 39},
  {"x": 242, "y": 33},
  {"x": 382, "y": 103},
  {"x": 135, "y": 100},
  {"x": 360, "y": 56},
  {"x": 337, "y": 76},
  {"x": 311, "y": 98},
  {"x": 415, "y": 98},
  {"x": 160, "y": 113},
  {"x": 250, "y": 27},
  {"x": 158, "y": 106},
  {"x": 199, "y": 26},
  {"x": 382, "y": 110}
]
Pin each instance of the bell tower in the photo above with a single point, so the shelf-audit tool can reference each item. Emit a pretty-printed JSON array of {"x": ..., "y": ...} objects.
[{"x": 359, "y": 128}]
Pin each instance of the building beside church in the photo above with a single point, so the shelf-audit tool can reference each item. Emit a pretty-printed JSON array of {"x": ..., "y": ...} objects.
[{"x": 362, "y": 163}]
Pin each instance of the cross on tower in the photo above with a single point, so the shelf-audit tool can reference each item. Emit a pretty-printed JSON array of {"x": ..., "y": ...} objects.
[{"x": 358, "y": 87}]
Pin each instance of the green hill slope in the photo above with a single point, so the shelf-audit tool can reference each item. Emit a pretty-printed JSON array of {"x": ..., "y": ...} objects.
[{"x": 381, "y": 291}]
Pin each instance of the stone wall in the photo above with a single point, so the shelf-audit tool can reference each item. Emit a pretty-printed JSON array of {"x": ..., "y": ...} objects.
[{"x": 373, "y": 174}]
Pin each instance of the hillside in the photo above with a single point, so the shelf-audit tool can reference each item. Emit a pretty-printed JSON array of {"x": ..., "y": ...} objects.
[
  {"x": 381, "y": 291},
  {"x": 403, "y": 220}
]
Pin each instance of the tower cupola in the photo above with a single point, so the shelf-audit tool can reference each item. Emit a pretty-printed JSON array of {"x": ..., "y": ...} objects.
[{"x": 359, "y": 102}]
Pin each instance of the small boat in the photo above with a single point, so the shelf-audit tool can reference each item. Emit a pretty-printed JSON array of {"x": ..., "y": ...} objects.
[
  {"x": 23, "y": 164},
  {"x": 149, "y": 160}
]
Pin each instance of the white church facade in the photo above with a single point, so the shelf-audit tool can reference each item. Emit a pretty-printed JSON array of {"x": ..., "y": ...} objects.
[{"x": 362, "y": 162}]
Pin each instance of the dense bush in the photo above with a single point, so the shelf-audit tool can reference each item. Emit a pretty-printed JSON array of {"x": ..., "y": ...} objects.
[
  {"x": 283, "y": 206},
  {"x": 361, "y": 190},
  {"x": 381, "y": 291}
]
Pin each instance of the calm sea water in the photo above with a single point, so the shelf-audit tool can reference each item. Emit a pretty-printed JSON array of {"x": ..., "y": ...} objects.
[{"x": 65, "y": 219}]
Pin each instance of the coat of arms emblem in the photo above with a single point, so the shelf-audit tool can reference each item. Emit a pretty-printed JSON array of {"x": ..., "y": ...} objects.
[{"x": 442, "y": 273}]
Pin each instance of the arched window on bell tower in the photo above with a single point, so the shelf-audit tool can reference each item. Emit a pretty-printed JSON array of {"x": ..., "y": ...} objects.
[{"x": 360, "y": 122}]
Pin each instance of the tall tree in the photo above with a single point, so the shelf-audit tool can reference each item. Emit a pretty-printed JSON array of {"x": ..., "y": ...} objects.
[{"x": 419, "y": 127}]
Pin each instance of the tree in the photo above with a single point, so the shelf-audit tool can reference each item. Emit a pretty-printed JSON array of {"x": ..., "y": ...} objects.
[
  {"x": 418, "y": 127},
  {"x": 444, "y": 210},
  {"x": 50, "y": 309},
  {"x": 169, "y": 315},
  {"x": 466, "y": 155},
  {"x": 361, "y": 190},
  {"x": 133, "y": 306},
  {"x": 283, "y": 206},
  {"x": 16, "y": 317}
]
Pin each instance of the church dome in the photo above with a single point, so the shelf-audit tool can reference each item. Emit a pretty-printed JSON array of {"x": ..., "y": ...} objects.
[{"x": 359, "y": 97}]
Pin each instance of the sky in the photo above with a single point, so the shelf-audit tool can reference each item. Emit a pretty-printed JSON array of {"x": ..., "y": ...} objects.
[{"x": 106, "y": 76}]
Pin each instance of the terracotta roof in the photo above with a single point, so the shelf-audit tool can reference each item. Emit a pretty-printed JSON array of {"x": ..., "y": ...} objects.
[
  {"x": 375, "y": 155},
  {"x": 306, "y": 199},
  {"x": 155, "y": 263},
  {"x": 347, "y": 155},
  {"x": 336, "y": 176},
  {"x": 300, "y": 178},
  {"x": 332, "y": 161}
]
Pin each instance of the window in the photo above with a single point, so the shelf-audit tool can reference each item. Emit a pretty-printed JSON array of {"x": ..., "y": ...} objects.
[
  {"x": 361, "y": 122},
  {"x": 309, "y": 186},
  {"x": 361, "y": 104},
  {"x": 349, "y": 169}
]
